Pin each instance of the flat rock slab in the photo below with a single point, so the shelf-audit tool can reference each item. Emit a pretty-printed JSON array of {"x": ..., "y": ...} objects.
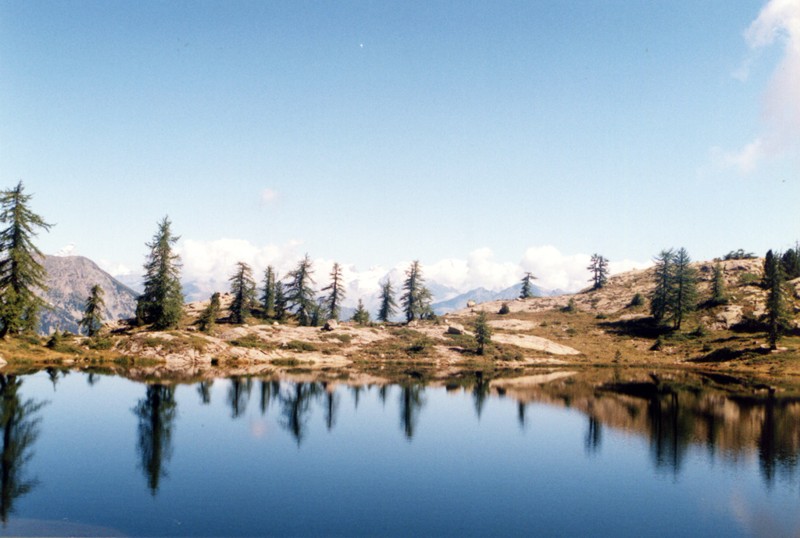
[{"x": 535, "y": 342}]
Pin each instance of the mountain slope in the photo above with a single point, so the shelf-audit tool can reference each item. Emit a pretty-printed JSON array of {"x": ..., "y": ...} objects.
[
  {"x": 69, "y": 280},
  {"x": 482, "y": 295}
]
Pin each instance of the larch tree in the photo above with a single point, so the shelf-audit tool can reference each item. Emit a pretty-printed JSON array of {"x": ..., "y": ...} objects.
[
  {"x": 684, "y": 295},
  {"x": 527, "y": 286},
  {"x": 598, "y": 266},
  {"x": 300, "y": 291},
  {"x": 336, "y": 293},
  {"x": 208, "y": 317},
  {"x": 483, "y": 332},
  {"x": 719, "y": 293},
  {"x": 388, "y": 305},
  {"x": 776, "y": 300},
  {"x": 161, "y": 304},
  {"x": 21, "y": 272},
  {"x": 268, "y": 294},
  {"x": 416, "y": 298},
  {"x": 92, "y": 319},
  {"x": 663, "y": 290},
  {"x": 361, "y": 315},
  {"x": 280, "y": 301},
  {"x": 243, "y": 289}
]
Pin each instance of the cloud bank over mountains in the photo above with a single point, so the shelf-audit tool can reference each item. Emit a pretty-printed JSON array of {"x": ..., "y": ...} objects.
[{"x": 208, "y": 265}]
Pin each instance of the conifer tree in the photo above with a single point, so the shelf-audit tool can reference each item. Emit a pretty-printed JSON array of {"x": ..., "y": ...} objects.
[
  {"x": 776, "y": 301},
  {"x": 300, "y": 292},
  {"x": 599, "y": 269},
  {"x": 243, "y": 289},
  {"x": 208, "y": 318},
  {"x": 21, "y": 273},
  {"x": 684, "y": 298},
  {"x": 361, "y": 316},
  {"x": 663, "y": 290},
  {"x": 162, "y": 301},
  {"x": 268, "y": 295},
  {"x": 770, "y": 262},
  {"x": 527, "y": 286},
  {"x": 791, "y": 263},
  {"x": 719, "y": 294},
  {"x": 483, "y": 332},
  {"x": 416, "y": 299},
  {"x": 92, "y": 318},
  {"x": 388, "y": 305},
  {"x": 333, "y": 302},
  {"x": 280, "y": 301}
]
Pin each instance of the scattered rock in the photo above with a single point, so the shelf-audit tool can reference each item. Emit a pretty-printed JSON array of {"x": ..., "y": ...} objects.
[
  {"x": 471, "y": 304},
  {"x": 330, "y": 325},
  {"x": 455, "y": 328}
]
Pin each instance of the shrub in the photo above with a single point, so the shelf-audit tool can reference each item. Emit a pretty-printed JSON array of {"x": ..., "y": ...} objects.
[
  {"x": 571, "y": 306},
  {"x": 637, "y": 300},
  {"x": 504, "y": 309}
]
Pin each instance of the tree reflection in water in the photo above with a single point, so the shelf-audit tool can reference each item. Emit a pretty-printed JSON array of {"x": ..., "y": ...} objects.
[
  {"x": 156, "y": 412},
  {"x": 295, "y": 408},
  {"x": 204, "y": 390},
  {"x": 238, "y": 395},
  {"x": 20, "y": 425},
  {"x": 411, "y": 402},
  {"x": 331, "y": 406}
]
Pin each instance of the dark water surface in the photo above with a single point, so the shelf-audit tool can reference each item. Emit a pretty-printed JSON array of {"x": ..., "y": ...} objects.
[{"x": 562, "y": 454}]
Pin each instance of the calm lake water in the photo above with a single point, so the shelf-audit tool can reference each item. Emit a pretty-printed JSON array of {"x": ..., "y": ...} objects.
[{"x": 563, "y": 454}]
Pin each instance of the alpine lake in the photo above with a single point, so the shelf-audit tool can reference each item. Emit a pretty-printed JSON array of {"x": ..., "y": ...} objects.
[{"x": 595, "y": 452}]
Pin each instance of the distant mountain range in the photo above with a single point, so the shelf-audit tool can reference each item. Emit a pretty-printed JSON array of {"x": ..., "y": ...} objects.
[
  {"x": 482, "y": 295},
  {"x": 69, "y": 281}
]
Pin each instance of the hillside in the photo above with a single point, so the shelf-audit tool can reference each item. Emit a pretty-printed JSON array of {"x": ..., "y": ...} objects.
[
  {"x": 69, "y": 280},
  {"x": 601, "y": 329}
]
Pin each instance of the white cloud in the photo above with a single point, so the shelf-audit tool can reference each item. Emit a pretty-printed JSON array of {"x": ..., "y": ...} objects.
[
  {"x": 743, "y": 160},
  {"x": 68, "y": 250},
  {"x": 268, "y": 195},
  {"x": 778, "y": 21}
]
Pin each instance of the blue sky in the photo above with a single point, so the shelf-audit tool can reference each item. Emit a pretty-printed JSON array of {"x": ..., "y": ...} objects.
[{"x": 483, "y": 138}]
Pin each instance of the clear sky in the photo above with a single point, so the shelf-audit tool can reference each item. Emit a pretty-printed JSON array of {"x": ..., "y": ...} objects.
[{"x": 483, "y": 138}]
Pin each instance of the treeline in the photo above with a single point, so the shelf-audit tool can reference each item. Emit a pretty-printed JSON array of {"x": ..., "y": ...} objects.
[{"x": 293, "y": 296}]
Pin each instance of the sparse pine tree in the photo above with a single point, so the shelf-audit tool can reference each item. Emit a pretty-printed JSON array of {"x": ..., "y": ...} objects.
[
  {"x": 243, "y": 289},
  {"x": 663, "y": 290},
  {"x": 416, "y": 299},
  {"x": 361, "y": 315},
  {"x": 280, "y": 301},
  {"x": 336, "y": 293},
  {"x": 719, "y": 294},
  {"x": 92, "y": 318},
  {"x": 776, "y": 302},
  {"x": 161, "y": 304},
  {"x": 208, "y": 318},
  {"x": 483, "y": 332},
  {"x": 388, "y": 305},
  {"x": 791, "y": 263},
  {"x": 300, "y": 292},
  {"x": 527, "y": 286},
  {"x": 599, "y": 269},
  {"x": 21, "y": 273},
  {"x": 770, "y": 262},
  {"x": 316, "y": 314},
  {"x": 684, "y": 298},
  {"x": 268, "y": 295}
]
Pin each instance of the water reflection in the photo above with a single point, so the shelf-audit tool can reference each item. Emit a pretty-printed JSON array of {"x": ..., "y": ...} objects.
[
  {"x": 238, "y": 395},
  {"x": 204, "y": 390},
  {"x": 295, "y": 408},
  {"x": 412, "y": 400},
  {"x": 20, "y": 425},
  {"x": 156, "y": 412}
]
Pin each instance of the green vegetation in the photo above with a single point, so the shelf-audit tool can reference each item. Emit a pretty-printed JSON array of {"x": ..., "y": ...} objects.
[
  {"x": 243, "y": 289},
  {"x": 777, "y": 316},
  {"x": 21, "y": 273},
  {"x": 719, "y": 293},
  {"x": 598, "y": 266},
  {"x": 300, "y": 293},
  {"x": 483, "y": 332},
  {"x": 527, "y": 286},
  {"x": 93, "y": 312},
  {"x": 416, "y": 299},
  {"x": 504, "y": 309},
  {"x": 208, "y": 318},
  {"x": 675, "y": 291},
  {"x": 388, "y": 305},
  {"x": 740, "y": 254},
  {"x": 336, "y": 293},
  {"x": 268, "y": 295},
  {"x": 161, "y": 304},
  {"x": 361, "y": 316}
]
